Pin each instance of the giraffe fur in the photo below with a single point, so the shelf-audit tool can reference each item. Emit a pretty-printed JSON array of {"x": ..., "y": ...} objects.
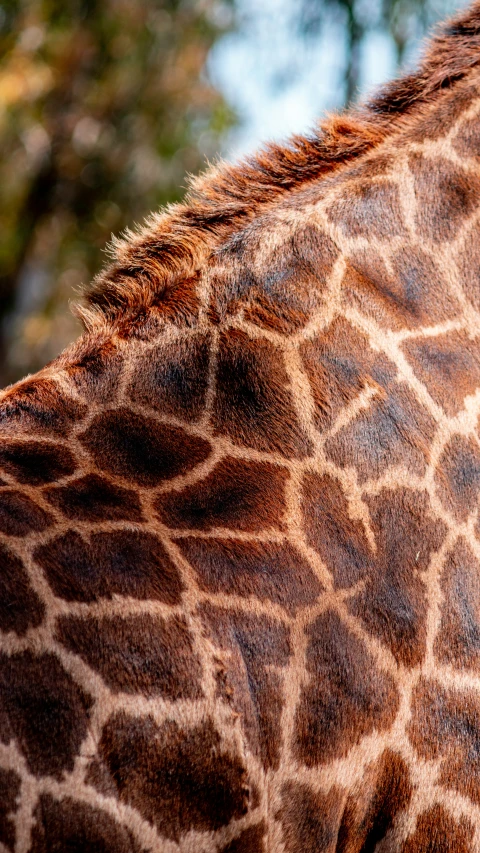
[{"x": 239, "y": 523}]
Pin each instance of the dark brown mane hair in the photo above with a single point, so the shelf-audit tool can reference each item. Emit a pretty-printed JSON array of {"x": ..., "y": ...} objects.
[{"x": 172, "y": 245}]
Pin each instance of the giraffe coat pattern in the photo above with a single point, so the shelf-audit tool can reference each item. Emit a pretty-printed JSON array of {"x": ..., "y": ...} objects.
[{"x": 239, "y": 518}]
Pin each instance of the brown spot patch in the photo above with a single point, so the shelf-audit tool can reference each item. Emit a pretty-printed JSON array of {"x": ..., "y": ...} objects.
[
  {"x": 339, "y": 539},
  {"x": 449, "y": 367},
  {"x": 458, "y": 640},
  {"x": 310, "y": 821},
  {"x": 445, "y": 725},
  {"x": 395, "y": 429},
  {"x": 370, "y": 811},
  {"x": 374, "y": 166},
  {"x": 467, "y": 141},
  {"x": 73, "y": 826},
  {"x": 439, "y": 121},
  {"x": 266, "y": 570},
  {"x": 20, "y": 606},
  {"x": 94, "y": 498},
  {"x": 19, "y": 515},
  {"x": 393, "y": 602},
  {"x": 142, "y": 654},
  {"x": 437, "y": 831},
  {"x": 251, "y": 840},
  {"x": 420, "y": 291},
  {"x": 178, "y": 303},
  {"x": 253, "y": 405},
  {"x": 273, "y": 316},
  {"x": 44, "y": 710},
  {"x": 339, "y": 364},
  {"x": 38, "y": 405},
  {"x": 173, "y": 378},
  {"x": 365, "y": 279},
  {"x": 236, "y": 494},
  {"x": 9, "y": 791},
  {"x": 96, "y": 375},
  {"x": 446, "y": 196},
  {"x": 372, "y": 210},
  {"x": 36, "y": 462},
  {"x": 246, "y": 679},
  {"x": 290, "y": 283},
  {"x": 178, "y": 780},
  {"x": 126, "y": 562},
  {"x": 458, "y": 476},
  {"x": 414, "y": 293},
  {"x": 339, "y": 705},
  {"x": 141, "y": 449}
]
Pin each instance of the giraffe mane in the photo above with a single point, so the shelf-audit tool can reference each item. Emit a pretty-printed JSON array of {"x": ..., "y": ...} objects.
[{"x": 172, "y": 244}]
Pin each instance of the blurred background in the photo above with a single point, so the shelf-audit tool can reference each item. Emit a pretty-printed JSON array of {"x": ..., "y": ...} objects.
[{"x": 106, "y": 105}]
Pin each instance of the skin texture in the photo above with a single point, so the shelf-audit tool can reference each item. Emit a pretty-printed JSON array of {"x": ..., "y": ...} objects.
[{"x": 239, "y": 531}]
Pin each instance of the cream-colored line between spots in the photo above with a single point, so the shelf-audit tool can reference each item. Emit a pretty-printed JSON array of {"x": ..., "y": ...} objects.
[
  {"x": 256, "y": 332},
  {"x": 43, "y": 589},
  {"x": 225, "y": 447},
  {"x": 118, "y": 810},
  {"x": 407, "y": 198},
  {"x": 122, "y": 388},
  {"x": 350, "y": 412},
  {"x": 402, "y": 478},
  {"x": 265, "y": 535},
  {"x": 118, "y": 605},
  {"x": 12, "y": 759},
  {"x": 193, "y": 841},
  {"x": 346, "y": 772},
  {"x": 205, "y": 420},
  {"x": 456, "y": 679},
  {"x": 431, "y": 579},
  {"x": 357, "y": 507},
  {"x": 204, "y": 291},
  {"x": 379, "y": 651},
  {"x": 293, "y": 681},
  {"x": 293, "y": 678},
  {"x": 194, "y": 428},
  {"x": 469, "y": 534}
]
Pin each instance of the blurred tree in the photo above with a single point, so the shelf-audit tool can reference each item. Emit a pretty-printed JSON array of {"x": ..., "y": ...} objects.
[
  {"x": 104, "y": 105},
  {"x": 406, "y": 21}
]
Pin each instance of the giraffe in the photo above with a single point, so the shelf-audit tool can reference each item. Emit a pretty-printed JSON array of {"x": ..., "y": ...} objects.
[{"x": 239, "y": 526}]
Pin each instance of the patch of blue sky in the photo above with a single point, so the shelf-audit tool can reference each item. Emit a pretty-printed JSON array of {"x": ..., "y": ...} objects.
[{"x": 281, "y": 80}]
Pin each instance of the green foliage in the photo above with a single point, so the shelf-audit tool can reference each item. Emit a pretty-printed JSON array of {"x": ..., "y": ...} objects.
[{"x": 104, "y": 106}]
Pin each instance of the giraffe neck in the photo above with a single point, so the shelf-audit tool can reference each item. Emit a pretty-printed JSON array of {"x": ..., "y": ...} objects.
[{"x": 239, "y": 524}]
